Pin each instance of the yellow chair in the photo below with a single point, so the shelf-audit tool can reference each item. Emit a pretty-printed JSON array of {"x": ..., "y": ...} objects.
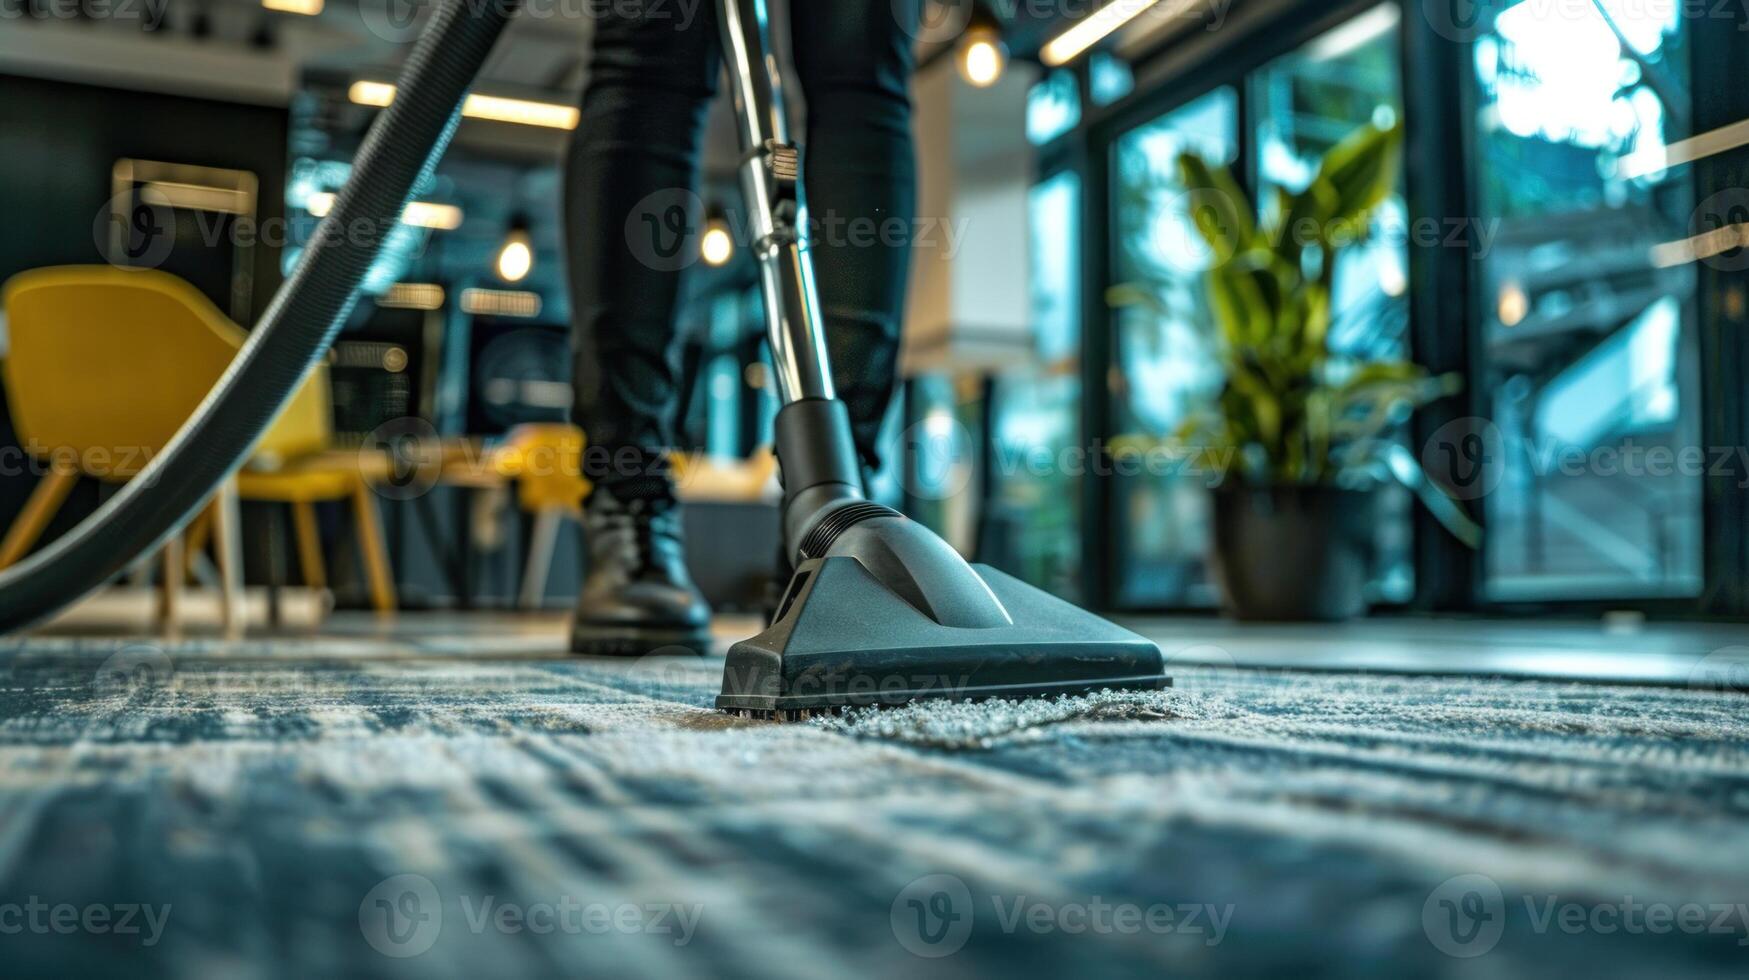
[
  {"x": 546, "y": 461},
  {"x": 105, "y": 364}
]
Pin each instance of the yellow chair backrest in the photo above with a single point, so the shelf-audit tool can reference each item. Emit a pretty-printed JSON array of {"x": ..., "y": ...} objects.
[
  {"x": 105, "y": 364},
  {"x": 546, "y": 459}
]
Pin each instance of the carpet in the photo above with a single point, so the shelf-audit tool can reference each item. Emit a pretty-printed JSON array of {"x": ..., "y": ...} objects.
[{"x": 451, "y": 806}]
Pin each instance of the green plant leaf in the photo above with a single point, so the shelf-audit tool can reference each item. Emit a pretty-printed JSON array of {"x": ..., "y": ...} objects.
[
  {"x": 1318, "y": 428},
  {"x": 1304, "y": 219},
  {"x": 1262, "y": 404},
  {"x": 1315, "y": 319},
  {"x": 1125, "y": 295},
  {"x": 1362, "y": 171},
  {"x": 1380, "y": 372},
  {"x": 1218, "y": 207},
  {"x": 1241, "y": 307},
  {"x": 1270, "y": 280},
  {"x": 1290, "y": 410}
]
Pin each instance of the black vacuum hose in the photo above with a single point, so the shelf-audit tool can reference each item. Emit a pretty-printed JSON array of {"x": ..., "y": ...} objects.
[{"x": 404, "y": 144}]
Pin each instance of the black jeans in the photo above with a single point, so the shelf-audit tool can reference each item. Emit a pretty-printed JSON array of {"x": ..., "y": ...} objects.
[{"x": 635, "y": 157}]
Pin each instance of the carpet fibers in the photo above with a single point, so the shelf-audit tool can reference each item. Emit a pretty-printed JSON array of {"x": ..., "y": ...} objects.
[{"x": 457, "y": 807}]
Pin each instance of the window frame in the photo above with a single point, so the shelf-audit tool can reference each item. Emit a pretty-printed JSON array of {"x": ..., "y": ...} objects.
[
  {"x": 1445, "y": 330},
  {"x": 1200, "y": 65}
]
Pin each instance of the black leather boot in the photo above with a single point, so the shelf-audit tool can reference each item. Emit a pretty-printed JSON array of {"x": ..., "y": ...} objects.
[{"x": 638, "y": 597}]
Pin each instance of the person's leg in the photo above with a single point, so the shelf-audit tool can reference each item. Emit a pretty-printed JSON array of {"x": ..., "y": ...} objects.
[
  {"x": 854, "y": 59},
  {"x": 629, "y": 174}
]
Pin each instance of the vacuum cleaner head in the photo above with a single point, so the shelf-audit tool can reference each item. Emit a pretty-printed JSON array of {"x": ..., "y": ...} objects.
[{"x": 888, "y": 613}]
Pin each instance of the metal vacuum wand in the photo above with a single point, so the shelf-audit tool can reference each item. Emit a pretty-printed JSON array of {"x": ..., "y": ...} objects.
[
  {"x": 880, "y": 610},
  {"x": 814, "y": 446}
]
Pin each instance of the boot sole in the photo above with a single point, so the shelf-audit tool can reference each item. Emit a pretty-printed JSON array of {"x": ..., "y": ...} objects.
[{"x": 631, "y": 641}]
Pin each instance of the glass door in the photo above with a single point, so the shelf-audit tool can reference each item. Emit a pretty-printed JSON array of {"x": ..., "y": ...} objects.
[
  {"x": 1592, "y": 453},
  {"x": 1164, "y": 366}
]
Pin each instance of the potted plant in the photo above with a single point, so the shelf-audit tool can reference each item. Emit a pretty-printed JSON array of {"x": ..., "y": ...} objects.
[{"x": 1301, "y": 436}]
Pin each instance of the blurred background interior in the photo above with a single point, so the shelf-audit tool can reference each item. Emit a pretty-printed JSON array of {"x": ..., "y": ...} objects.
[{"x": 1552, "y": 243}]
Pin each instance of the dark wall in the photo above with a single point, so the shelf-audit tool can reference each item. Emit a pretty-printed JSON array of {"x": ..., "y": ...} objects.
[{"x": 58, "y": 144}]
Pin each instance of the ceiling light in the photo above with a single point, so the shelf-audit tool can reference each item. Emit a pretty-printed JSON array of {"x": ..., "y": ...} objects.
[
  {"x": 496, "y": 108},
  {"x": 501, "y": 302},
  {"x": 1097, "y": 26},
  {"x": 520, "y": 111},
  {"x": 420, "y": 214},
  {"x": 377, "y": 94},
  {"x": 1514, "y": 305},
  {"x": 309, "y": 8},
  {"x": 717, "y": 245},
  {"x": 516, "y": 255},
  {"x": 412, "y": 296},
  {"x": 424, "y": 214},
  {"x": 982, "y": 55}
]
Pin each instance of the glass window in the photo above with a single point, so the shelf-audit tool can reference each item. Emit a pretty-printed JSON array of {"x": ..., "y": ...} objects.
[
  {"x": 1109, "y": 77},
  {"x": 1054, "y": 264},
  {"x": 1297, "y": 108},
  {"x": 1302, "y": 105},
  {"x": 1590, "y": 360},
  {"x": 1053, "y": 107},
  {"x": 1034, "y": 508},
  {"x": 939, "y": 454},
  {"x": 1165, "y": 367}
]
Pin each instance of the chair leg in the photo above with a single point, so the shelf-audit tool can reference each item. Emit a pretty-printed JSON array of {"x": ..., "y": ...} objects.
[
  {"x": 170, "y": 571},
  {"x": 228, "y": 548},
  {"x": 309, "y": 544},
  {"x": 45, "y": 500},
  {"x": 542, "y": 543},
  {"x": 372, "y": 549},
  {"x": 195, "y": 540}
]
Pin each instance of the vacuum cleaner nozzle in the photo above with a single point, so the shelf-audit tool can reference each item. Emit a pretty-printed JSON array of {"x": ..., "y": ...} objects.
[
  {"x": 879, "y": 610},
  {"x": 884, "y": 612}
]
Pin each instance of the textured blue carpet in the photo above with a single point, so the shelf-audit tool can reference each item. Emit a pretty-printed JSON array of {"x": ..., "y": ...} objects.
[{"x": 453, "y": 807}]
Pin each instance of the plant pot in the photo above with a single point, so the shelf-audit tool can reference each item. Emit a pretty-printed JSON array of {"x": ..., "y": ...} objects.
[{"x": 1291, "y": 552}]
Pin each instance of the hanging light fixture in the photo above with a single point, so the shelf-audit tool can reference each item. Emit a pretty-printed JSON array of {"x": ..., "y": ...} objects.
[
  {"x": 516, "y": 255},
  {"x": 717, "y": 246},
  {"x": 982, "y": 55}
]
